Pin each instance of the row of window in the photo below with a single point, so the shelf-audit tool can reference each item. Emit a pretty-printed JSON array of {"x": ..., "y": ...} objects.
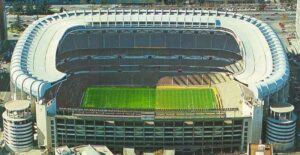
[
  {"x": 155, "y": 123},
  {"x": 149, "y": 128},
  {"x": 150, "y": 24},
  {"x": 149, "y": 141},
  {"x": 18, "y": 122}
]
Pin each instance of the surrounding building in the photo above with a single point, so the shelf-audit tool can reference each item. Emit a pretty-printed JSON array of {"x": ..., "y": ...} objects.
[
  {"x": 18, "y": 127},
  {"x": 281, "y": 127},
  {"x": 83, "y": 150},
  {"x": 59, "y": 56},
  {"x": 144, "y": 2},
  {"x": 298, "y": 19},
  {"x": 3, "y": 32},
  {"x": 260, "y": 149}
]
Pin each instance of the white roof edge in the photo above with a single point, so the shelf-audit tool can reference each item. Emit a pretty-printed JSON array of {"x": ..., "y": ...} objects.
[{"x": 38, "y": 85}]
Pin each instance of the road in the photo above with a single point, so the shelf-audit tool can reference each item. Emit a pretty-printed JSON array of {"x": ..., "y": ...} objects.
[{"x": 267, "y": 16}]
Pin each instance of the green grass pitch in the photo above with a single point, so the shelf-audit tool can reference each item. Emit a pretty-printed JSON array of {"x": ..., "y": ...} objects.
[{"x": 149, "y": 98}]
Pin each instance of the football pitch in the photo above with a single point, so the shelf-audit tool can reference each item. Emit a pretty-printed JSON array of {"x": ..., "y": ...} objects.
[{"x": 185, "y": 98}]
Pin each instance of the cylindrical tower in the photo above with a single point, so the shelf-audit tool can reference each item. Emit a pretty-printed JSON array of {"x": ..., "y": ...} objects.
[
  {"x": 17, "y": 122},
  {"x": 281, "y": 127}
]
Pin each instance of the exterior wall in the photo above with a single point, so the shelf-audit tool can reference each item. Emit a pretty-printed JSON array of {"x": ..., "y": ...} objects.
[
  {"x": 281, "y": 96},
  {"x": 214, "y": 135},
  {"x": 256, "y": 127},
  {"x": 18, "y": 132},
  {"x": 281, "y": 132},
  {"x": 17, "y": 94},
  {"x": 43, "y": 130},
  {"x": 298, "y": 18}
]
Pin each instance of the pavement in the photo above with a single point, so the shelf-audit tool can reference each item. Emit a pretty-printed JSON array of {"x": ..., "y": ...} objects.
[{"x": 26, "y": 20}]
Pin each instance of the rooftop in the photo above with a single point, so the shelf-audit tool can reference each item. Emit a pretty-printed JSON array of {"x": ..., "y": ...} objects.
[
  {"x": 83, "y": 150},
  {"x": 17, "y": 105},
  {"x": 34, "y": 58},
  {"x": 260, "y": 149},
  {"x": 282, "y": 108}
]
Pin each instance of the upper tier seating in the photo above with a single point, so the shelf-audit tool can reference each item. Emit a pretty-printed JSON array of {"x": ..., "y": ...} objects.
[{"x": 174, "y": 40}]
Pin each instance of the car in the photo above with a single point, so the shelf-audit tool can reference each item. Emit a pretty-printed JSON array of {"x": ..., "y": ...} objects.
[{"x": 268, "y": 18}]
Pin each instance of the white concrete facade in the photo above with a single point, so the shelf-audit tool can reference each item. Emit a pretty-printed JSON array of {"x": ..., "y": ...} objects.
[
  {"x": 43, "y": 126},
  {"x": 33, "y": 74},
  {"x": 18, "y": 127},
  {"x": 281, "y": 127},
  {"x": 266, "y": 69}
]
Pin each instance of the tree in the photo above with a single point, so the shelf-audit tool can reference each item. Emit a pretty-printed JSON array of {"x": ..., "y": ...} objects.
[
  {"x": 17, "y": 7},
  {"x": 93, "y": 2},
  {"x": 103, "y": 1},
  {"x": 18, "y": 24},
  {"x": 179, "y": 2},
  {"x": 43, "y": 8},
  {"x": 46, "y": 6},
  {"x": 262, "y": 7},
  {"x": 61, "y": 9},
  {"x": 29, "y": 9},
  {"x": 4, "y": 46}
]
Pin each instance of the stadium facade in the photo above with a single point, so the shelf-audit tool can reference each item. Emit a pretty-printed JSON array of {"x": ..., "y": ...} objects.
[{"x": 60, "y": 55}]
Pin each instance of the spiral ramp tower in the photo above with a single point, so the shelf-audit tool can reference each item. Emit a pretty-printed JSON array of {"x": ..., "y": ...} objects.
[
  {"x": 17, "y": 122},
  {"x": 281, "y": 127}
]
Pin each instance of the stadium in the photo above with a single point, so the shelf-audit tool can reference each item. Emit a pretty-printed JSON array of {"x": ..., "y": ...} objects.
[{"x": 195, "y": 81}]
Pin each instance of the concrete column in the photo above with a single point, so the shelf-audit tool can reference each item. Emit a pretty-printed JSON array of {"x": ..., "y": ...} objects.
[
  {"x": 256, "y": 124},
  {"x": 43, "y": 126}
]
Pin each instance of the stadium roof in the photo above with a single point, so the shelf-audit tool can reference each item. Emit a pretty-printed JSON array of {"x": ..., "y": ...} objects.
[
  {"x": 282, "y": 108},
  {"x": 17, "y": 105},
  {"x": 33, "y": 67}
]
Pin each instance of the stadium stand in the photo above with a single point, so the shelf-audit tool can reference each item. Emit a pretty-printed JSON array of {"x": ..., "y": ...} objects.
[
  {"x": 157, "y": 51},
  {"x": 60, "y": 55},
  {"x": 147, "y": 39}
]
